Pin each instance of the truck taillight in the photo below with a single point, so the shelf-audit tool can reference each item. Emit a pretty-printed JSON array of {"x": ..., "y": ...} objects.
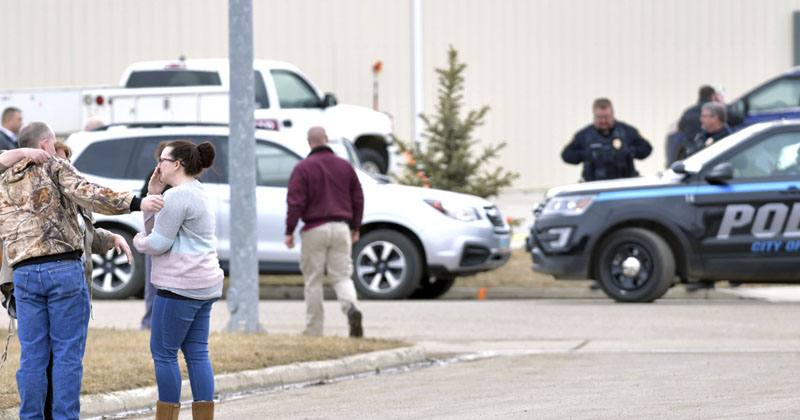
[{"x": 268, "y": 124}]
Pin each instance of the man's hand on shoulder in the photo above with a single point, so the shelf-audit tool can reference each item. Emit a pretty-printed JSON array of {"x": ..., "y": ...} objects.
[
  {"x": 36, "y": 155},
  {"x": 10, "y": 158}
]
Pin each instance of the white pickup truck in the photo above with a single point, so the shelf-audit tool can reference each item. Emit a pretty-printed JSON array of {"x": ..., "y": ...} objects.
[{"x": 193, "y": 91}]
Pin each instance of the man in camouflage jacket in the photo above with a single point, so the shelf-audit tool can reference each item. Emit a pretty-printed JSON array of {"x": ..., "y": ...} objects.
[
  {"x": 99, "y": 241},
  {"x": 44, "y": 243}
]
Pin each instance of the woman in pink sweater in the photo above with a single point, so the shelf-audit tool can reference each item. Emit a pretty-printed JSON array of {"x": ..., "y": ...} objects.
[{"x": 186, "y": 274}]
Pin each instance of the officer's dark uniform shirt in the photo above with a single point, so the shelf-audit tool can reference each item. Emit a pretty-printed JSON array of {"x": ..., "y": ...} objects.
[
  {"x": 691, "y": 147},
  {"x": 607, "y": 156}
]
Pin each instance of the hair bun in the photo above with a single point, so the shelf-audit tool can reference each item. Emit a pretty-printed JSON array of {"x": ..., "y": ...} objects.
[{"x": 207, "y": 154}]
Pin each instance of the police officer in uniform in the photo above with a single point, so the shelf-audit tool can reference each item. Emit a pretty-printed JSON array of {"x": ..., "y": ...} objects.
[
  {"x": 607, "y": 147},
  {"x": 713, "y": 120}
]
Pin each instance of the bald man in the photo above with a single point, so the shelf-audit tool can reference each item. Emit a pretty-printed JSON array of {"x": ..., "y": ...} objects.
[{"x": 325, "y": 193}]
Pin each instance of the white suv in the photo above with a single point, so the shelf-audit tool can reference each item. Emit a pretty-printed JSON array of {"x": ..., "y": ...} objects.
[{"x": 414, "y": 241}]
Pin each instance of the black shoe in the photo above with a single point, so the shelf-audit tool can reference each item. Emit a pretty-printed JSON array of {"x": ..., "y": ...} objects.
[{"x": 354, "y": 319}]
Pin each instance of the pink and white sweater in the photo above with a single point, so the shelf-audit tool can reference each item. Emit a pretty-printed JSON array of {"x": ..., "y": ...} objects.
[{"x": 181, "y": 240}]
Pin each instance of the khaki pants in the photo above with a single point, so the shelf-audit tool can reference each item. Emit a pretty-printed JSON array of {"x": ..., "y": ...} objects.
[{"x": 326, "y": 245}]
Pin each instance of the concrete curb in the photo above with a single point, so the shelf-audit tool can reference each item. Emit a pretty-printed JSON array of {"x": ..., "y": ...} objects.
[
  {"x": 467, "y": 293},
  {"x": 273, "y": 377}
]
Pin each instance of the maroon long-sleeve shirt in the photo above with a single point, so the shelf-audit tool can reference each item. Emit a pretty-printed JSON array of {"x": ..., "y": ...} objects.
[{"x": 323, "y": 188}]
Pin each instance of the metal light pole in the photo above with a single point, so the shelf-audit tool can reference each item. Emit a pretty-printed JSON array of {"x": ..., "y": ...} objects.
[{"x": 242, "y": 296}]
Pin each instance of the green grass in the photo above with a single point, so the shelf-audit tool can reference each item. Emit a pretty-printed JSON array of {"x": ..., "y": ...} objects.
[{"x": 120, "y": 359}]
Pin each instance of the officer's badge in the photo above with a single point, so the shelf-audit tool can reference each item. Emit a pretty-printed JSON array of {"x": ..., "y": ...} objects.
[{"x": 617, "y": 143}]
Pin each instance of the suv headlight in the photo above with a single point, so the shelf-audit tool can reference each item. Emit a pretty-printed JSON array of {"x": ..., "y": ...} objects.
[
  {"x": 573, "y": 205},
  {"x": 459, "y": 212}
]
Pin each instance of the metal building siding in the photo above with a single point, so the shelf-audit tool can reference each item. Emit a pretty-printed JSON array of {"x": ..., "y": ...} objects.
[
  {"x": 537, "y": 63},
  {"x": 648, "y": 57},
  {"x": 336, "y": 44}
]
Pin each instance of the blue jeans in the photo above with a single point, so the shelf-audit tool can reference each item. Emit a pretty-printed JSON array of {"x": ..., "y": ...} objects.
[
  {"x": 53, "y": 314},
  {"x": 181, "y": 324}
]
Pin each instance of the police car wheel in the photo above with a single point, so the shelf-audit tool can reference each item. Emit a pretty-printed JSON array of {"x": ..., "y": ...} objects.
[
  {"x": 635, "y": 265},
  {"x": 386, "y": 265},
  {"x": 112, "y": 276}
]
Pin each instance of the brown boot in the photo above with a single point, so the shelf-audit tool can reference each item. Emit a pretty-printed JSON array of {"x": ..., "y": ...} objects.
[
  {"x": 167, "y": 411},
  {"x": 203, "y": 410}
]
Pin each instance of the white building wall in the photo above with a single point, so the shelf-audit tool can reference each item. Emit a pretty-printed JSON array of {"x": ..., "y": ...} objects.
[{"x": 537, "y": 63}]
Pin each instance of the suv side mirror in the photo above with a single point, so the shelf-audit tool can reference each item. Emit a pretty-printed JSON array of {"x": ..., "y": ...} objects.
[
  {"x": 330, "y": 100},
  {"x": 720, "y": 174},
  {"x": 678, "y": 167}
]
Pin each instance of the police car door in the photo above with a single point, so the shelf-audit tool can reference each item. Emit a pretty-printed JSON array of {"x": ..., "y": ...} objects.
[{"x": 751, "y": 225}]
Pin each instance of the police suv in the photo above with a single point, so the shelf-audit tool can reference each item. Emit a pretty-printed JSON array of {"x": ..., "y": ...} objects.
[{"x": 728, "y": 212}]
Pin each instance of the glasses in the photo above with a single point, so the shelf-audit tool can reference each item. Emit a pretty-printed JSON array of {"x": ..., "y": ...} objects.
[{"x": 160, "y": 160}]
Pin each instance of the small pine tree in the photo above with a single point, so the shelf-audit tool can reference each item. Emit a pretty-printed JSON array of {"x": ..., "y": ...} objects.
[{"x": 447, "y": 160}]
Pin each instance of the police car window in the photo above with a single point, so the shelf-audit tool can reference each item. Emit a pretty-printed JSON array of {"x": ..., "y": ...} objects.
[
  {"x": 109, "y": 158},
  {"x": 776, "y": 155},
  {"x": 784, "y": 93},
  {"x": 274, "y": 165},
  {"x": 293, "y": 91}
]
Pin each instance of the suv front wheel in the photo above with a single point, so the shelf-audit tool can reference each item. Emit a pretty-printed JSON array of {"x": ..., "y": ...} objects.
[
  {"x": 386, "y": 265},
  {"x": 112, "y": 276},
  {"x": 635, "y": 265}
]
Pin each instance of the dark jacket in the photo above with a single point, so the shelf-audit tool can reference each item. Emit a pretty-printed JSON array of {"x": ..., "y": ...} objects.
[
  {"x": 6, "y": 143},
  {"x": 690, "y": 147},
  {"x": 604, "y": 157},
  {"x": 689, "y": 123},
  {"x": 323, "y": 188}
]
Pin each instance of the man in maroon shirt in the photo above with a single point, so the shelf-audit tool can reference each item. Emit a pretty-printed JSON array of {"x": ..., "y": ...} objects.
[{"x": 324, "y": 191}]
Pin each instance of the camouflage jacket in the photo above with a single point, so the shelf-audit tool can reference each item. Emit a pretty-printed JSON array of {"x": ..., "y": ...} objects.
[
  {"x": 94, "y": 240},
  {"x": 37, "y": 215}
]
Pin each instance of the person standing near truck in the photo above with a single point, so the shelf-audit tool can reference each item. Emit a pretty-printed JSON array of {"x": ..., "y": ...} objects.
[
  {"x": 607, "y": 147},
  {"x": 44, "y": 245},
  {"x": 97, "y": 241},
  {"x": 325, "y": 192},
  {"x": 11, "y": 124},
  {"x": 186, "y": 274},
  {"x": 713, "y": 119}
]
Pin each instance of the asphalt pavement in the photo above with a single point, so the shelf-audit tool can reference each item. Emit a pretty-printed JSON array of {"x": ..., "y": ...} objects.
[{"x": 520, "y": 359}]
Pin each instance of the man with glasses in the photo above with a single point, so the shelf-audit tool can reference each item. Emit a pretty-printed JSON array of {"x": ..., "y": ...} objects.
[{"x": 607, "y": 147}]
